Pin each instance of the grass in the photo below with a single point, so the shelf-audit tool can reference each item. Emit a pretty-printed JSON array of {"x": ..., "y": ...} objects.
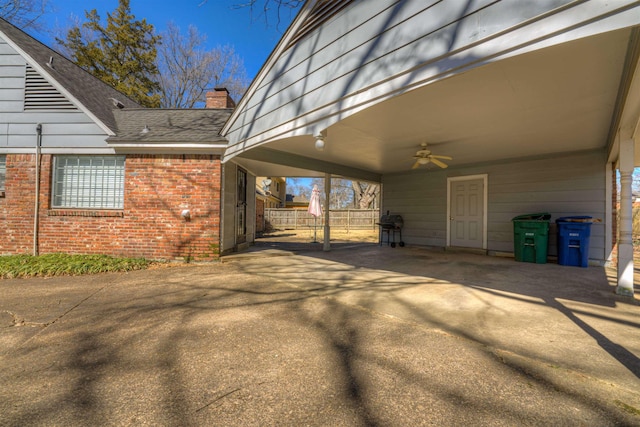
[{"x": 49, "y": 265}]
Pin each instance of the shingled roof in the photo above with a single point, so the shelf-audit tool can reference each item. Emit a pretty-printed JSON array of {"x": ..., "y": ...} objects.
[
  {"x": 170, "y": 126},
  {"x": 94, "y": 95}
]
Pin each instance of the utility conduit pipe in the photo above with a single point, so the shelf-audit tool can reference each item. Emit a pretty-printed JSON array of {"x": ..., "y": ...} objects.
[{"x": 37, "y": 198}]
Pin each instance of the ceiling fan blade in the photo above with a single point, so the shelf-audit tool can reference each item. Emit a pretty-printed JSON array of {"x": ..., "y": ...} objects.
[
  {"x": 434, "y": 156},
  {"x": 415, "y": 165},
  {"x": 439, "y": 163}
]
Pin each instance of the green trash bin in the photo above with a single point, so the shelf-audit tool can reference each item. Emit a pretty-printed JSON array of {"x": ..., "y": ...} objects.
[{"x": 531, "y": 237}]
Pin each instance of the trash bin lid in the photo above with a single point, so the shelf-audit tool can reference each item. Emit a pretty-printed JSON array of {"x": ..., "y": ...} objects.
[
  {"x": 533, "y": 217},
  {"x": 578, "y": 218}
]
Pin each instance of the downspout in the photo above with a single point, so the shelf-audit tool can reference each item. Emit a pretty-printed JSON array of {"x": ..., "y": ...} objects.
[{"x": 37, "y": 198}]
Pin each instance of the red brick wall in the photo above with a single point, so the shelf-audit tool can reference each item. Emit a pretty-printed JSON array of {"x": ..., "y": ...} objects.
[
  {"x": 17, "y": 207},
  {"x": 157, "y": 190}
]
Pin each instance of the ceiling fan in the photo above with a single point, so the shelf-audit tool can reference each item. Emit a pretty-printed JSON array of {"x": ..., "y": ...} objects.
[{"x": 424, "y": 156}]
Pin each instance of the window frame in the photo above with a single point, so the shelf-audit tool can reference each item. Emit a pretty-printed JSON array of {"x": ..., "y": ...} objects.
[{"x": 93, "y": 182}]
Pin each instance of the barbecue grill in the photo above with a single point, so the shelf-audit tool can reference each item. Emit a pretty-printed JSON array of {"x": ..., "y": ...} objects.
[{"x": 390, "y": 225}]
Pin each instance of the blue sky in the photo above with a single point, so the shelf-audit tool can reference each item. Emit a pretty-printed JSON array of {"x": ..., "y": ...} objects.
[{"x": 221, "y": 20}]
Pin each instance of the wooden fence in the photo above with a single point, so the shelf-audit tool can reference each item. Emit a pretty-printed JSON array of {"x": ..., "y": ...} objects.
[{"x": 347, "y": 219}]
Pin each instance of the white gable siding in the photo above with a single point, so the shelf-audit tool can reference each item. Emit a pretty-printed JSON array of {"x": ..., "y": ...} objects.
[
  {"x": 563, "y": 186},
  {"x": 373, "y": 50},
  {"x": 63, "y": 131},
  {"x": 12, "y": 69}
]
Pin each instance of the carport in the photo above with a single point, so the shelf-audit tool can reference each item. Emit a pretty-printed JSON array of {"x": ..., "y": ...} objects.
[{"x": 537, "y": 106}]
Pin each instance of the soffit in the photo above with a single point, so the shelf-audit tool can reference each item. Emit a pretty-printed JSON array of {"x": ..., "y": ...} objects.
[{"x": 558, "y": 99}]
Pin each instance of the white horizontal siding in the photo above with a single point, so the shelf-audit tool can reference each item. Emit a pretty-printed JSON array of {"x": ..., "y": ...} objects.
[
  {"x": 410, "y": 32},
  {"x": 4, "y": 134},
  {"x": 8, "y": 106},
  {"x": 567, "y": 185},
  {"x": 10, "y": 94},
  {"x": 47, "y": 117},
  {"x": 421, "y": 199},
  {"x": 16, "y": 71},
  {"x": 74, "y": 130},
  {"x": 57, "y": 141},
  {"x": 12, "y": 72},
  {"x": 56, "y": 129},
  {"x": 353, "y": 58},
  {"x": 12, "y": 82},
  {"x": 12, "y": 60}
]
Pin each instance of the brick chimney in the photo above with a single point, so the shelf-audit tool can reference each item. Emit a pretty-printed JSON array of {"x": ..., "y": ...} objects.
[{"x": 219, "y": 98}]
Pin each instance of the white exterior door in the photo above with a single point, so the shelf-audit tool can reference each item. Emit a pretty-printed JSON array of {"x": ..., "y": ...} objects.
[{"x": 467, "y": 212}]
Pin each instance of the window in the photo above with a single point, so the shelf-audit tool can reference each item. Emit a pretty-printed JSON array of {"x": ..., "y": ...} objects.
[
  {"x": 88, "y": 182},
  {"x": 3, "y": 172}
]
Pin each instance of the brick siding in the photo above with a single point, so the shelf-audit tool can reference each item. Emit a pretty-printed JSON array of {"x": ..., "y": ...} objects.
[{"x": 157, "y": 190}]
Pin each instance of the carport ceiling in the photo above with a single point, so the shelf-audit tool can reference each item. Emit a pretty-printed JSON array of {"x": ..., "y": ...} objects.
[{"x": 558, "y": 99}]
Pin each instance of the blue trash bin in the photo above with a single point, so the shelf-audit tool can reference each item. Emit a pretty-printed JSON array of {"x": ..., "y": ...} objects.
[{"x": 573, "y": 240}]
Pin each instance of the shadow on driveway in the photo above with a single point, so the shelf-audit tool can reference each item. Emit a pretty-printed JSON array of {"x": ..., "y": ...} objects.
[{"x": 367, "y": 336}]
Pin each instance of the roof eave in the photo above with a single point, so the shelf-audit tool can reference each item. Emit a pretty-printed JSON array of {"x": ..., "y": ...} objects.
[{"x": 167, "y": 148}]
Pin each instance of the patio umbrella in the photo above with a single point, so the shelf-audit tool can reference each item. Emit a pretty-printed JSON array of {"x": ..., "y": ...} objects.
[{"x": 315, "y": 209}]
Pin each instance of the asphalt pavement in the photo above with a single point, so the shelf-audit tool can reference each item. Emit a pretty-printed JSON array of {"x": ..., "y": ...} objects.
[{"x": 360, "y": 336}]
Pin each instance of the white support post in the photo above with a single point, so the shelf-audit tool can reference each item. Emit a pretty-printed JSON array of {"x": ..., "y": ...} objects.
[
  {"x": 608, "y": 212},
  {"x": 327, "y": 233},
  {"x": 625, "y": 227}
]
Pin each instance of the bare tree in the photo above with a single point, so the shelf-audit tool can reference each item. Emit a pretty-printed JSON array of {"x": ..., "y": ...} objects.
[
  {"x": 296, "y": 188},
  {"x": 187, "y": 70},
  {"x": 341, "y": 192},
  {"x": 24, "y": 13},
  {"x": 344, "y": 193},
  {"x": 365, "y": 194},
  {"x": 270, "y": 8}
]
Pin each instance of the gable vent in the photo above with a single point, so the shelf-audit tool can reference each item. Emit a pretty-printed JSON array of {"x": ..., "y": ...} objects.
[
  {"x": 321, "y": 12},
  {"x": 41, "y": 95}
]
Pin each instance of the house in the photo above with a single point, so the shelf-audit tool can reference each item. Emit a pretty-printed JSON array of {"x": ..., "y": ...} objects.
[
  {"x": 271, "y": 190},
  {"x": 84, "y": 169},
  {"x": 270, "y": 194},
  {"x": 296, "y": 202},
  {"x": 532, "y": 108}
]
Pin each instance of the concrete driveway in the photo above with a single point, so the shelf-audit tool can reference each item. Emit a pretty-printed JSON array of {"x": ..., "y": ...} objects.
[{"x": 362, "y": 335}]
